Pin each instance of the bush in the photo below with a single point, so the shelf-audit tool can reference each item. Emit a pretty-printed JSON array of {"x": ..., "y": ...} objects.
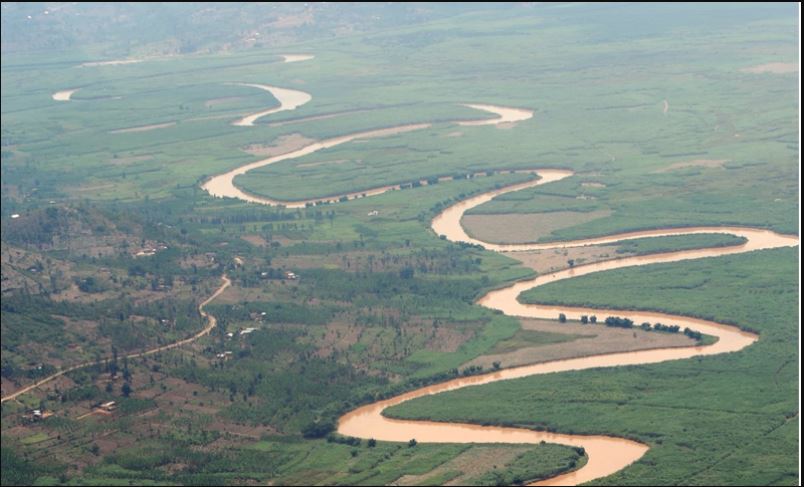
[{"x": 318, "y": 429}]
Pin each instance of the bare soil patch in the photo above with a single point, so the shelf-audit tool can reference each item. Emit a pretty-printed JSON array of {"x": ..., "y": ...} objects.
[
  {"x": 314, "y": 117},
  {"x": 321, "y": 163},
  {"x": 221, "y": 101},
  {"x": 122, "y": 161},
  {"x": 774, "y": 68},
  {"x": 513, "y": 228},
  {"x": 111, "y": 63},
  {"x": 143, "y": 128},
  {"x": 291, "y": 21},
  {"x": 282, "y": 145},
  {"x": 506, "y": 125},
  {"x": 707, "y": 163},
  {"x": 602, "y": 339},
  {"x": 255, "y": 240},
  {"x": 473, "y": 462},
  {"x": 546, "y": 261},
  {"x": 593, "y": 185}
]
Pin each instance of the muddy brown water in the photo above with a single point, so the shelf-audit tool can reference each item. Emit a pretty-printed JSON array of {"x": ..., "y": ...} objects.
[
  {"x": 222, "y": 185},
  {"x": 288, "y": 100},
  {"x": 63, "y": 95},
  {"x": 607, "y": 454}
]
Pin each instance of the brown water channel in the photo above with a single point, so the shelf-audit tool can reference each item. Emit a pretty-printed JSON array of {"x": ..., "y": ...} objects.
[
  {"x": 223, "y": 185},
  {"x": 607, "y": 454}
]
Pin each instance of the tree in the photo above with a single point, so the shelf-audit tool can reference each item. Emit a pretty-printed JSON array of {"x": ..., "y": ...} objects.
[
  {"x": 584, "y": 319},
  {"x": 126, "y": 389},
  {"x": 372, "y": 443},
  {"x": 593, "y": 319},
  {"x": 496, "y": 365},
  {"x": 571, "y": 262},
  {"x": 318, "y": 429},
  {"x": 562, "y": 318},
  {"x": 113, "y": 366},
  {"x": 126, "y": 372},
  {"x": 412, "y": 443}
]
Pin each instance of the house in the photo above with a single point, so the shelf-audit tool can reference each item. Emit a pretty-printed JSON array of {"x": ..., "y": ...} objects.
[
  {"x": 291, "y": 275},
  {"x": 373, "y": 213},
  {"x": 38, "y": 415},
  {"x": 145, "y": 252},
  {"x": 247, "y": 331},
  {"x": 109, "y": 406}
]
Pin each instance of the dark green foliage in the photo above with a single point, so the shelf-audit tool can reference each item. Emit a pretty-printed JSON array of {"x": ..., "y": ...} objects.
[
  {"x": 16, "y": 470},
  {"x": 318, "y": 429},
  {"x": 618, "y": 322},
  {"x": 343, "y": 440}
]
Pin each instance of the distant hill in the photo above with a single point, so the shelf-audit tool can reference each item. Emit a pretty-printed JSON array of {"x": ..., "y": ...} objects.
[{"x": 124, "y": 29}]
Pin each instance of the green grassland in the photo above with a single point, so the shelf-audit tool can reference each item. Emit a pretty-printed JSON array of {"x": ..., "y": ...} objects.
[
  {"x": 405, "y": 84},
  {"x": 382, "y": 305},
  {"x": 744, "y": 403},
  {"x": 293, "y": 461},
  {"x": 644, "y": 246}
]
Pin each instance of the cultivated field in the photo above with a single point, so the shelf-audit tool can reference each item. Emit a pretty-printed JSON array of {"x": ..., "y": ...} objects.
[{"x": 668, "y": 116}]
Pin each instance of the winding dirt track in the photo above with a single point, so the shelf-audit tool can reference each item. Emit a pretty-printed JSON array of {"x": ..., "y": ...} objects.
[{"x": 211, "y": 322}]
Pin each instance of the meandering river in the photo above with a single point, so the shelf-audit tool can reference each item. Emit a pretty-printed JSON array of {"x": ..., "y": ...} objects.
[{"x": 607, "y": 454}]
